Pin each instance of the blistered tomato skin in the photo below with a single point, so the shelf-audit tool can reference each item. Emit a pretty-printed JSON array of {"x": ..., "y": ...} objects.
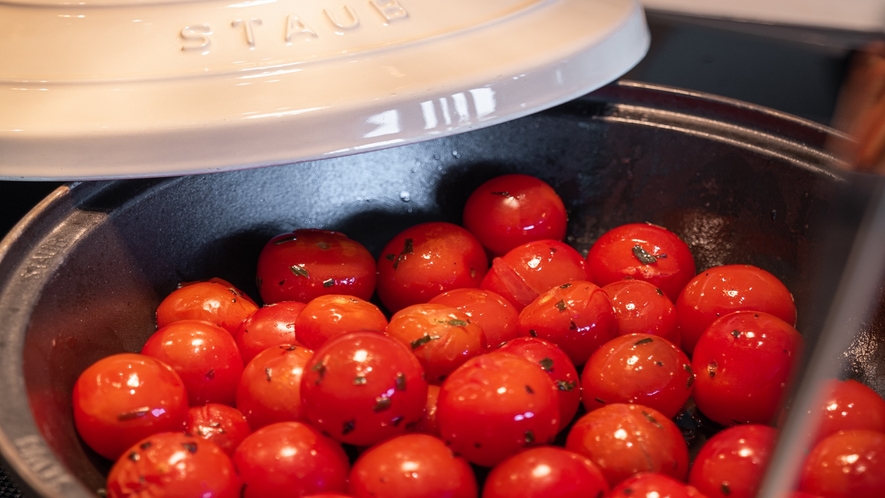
[
  {"x": 428, "y": 259},
  {"x": 849, "y": 405},
  {"x": 653, "y": 485},
  {"x": 642, "y": 251},
  {"x": 576, "y": 316},
  {"x": 332, "y": 315},
  {"x": 543, "y": 472},
  {"x": 497, "y": 318},
  {"x": 214, "y": 300},
  {"x": 732, "y": 463},
  {"x": 223, "y": 425},
  {"x": 124, "y": 398},
  {"x": 642, "y": 308},
  {"x": 174, "y": 464},
  {"x": 363, "y": 387},
  {"x": 495, "y": 405},
  {"x": 849, "y": 464},
  {"x": 723, "y": 289},
  {"x": 270, "y": 325},
  {"x": 270, "y": 388},
  {"x": 743, "y": 364},
  {"x": 411, "y": 465},
  {"x": 510, "y": 210},
  {"x": 308, "y": 263}
]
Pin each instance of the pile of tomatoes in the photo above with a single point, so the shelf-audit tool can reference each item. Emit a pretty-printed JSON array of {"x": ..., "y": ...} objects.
[{"x": 431, "y": 371}]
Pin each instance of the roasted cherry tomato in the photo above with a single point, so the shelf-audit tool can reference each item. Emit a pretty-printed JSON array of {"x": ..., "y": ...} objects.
[
  {"x": 174, "y": 464},
  {"x": 848, "y": 405},
  {"x": 411, "y": 465},
  {"x": 496, "y": 404},
  {"x": 510, "y": 210},
  {"x": 642, "y": 251},
  {"x": 497, "y": 318},
  {"x": 743, "y": 365},
  {"x": 428, "y": 423},
  {"x": 223, "y": 425},
  {"x": 624, "y": 440},
  {"x": 576, "y": 316},
  {"x": 720, "y": 290},
  {"x": 270, "y": 388},
  {"x": 363, "y": 387},
  {"x": 290, "y": 459},
  {"x": 543, "y": 472},
  {"x": 204, "y": 355},
  {"x": 653, "y": 485},
  {"x": 332, "y": 315},
  {"x": 426, "y": 260},
  {"x": 527, "y": 271},
  {"x": 642, "y": 308},
  {"x": 849, "y": 464},
  {"x": 732, "y": 463},
  {"x": 638, "y": 368},
  {"x": 441, "y": 337},
  {"x": 214, "y": 300},
  {"x": 270, "y": 325},
  {"x": 124, "y": 398},
  {"x": 308, "y": 263}
]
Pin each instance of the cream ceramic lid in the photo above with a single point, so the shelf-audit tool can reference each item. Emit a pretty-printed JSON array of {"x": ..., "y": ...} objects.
[{"x": 93, "y": 89}]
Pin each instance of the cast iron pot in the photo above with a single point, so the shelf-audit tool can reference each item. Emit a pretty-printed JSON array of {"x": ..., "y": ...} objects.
[{"x": 81, "y": 275}]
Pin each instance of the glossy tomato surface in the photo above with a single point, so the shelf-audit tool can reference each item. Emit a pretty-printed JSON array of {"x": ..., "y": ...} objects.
[
  {"x": 849, "y": 464},
  {"x": 428, "y": 423},
  {"x": 270, "y": 387},
  {"x": 214, "y": 300},
  {"x": 642, "y": 308},
  {"x": 653, "y": 485},
  {"x": 270, "y": 325},
  {"x": 848, "y": 405},
  {"x": 332, "y": 315},
  {"x": 223, "y": 425},
  {"x": 543, "y": 472},
  {"x": 510, "y": 210},
  {"x": 497, "y": 318},
  {"x": 732, "y": 463}
]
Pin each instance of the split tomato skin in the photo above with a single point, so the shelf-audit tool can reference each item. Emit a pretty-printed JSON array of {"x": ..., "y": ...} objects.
[
  {"x": 543, "y": 472},
  {"x": 497, "y": 318},
  {"x": 214, "y": 300},
  {"x": 270, "y": 325},
  {"x": 221, "y": 424},
  {"x": 732, "y": 463},
  {"x": 847, "y": 464},
  {"x": 335, "y": 314}
]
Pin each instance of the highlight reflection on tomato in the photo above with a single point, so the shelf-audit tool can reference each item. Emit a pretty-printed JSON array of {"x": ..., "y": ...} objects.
[
  {"x": 732, "y": 463},
  {"x": 543, "y": 472}
]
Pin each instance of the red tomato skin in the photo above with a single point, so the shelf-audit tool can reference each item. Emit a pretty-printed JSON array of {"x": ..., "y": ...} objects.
[
  {"x": 308, "y": 263},
  {"x": 723, "y": 289},
  {"x": 732, "y": 463},
  {"x": 552, "y": 360},
  {"x": 270, "y": 325},
  {"x": 614, "y": 257},
  {"x": 497, "y": 318},
  {"x": 525, "y": 272},
  {"x": 290, "y": 459},
  {"x": 495, "y": 405},
  {"x": 332, "y": 315},
  {"x": 174, "y": 464},
  {"x": 848, "y": 464},
  {"x": 428, "y": 423},
  {"x": 577, "y": 316},
  {"x": 642, "y": 308},
  {"x": 743, "y": 365},
  {"x": 363, "y": 387},
  {"x": 849, "y": 405},
  {"x": 223, "y": 425},
  {"x": 441, "y": 337},
  {"x": 124, "y": 398},
  {"x": 411, "y": 465},
  {"x": 270, "y": 387},
  {"x": 638, "y": 368},
  {"x": 624, "y": 440},
  {"x": 214, "y": 300},
  {"x": 543, "y": 472},
  {"x": 513, "y": 209},
  {"x": 653, "y": 485},
  {"x": 204, "y": 355},
  {"x": 427, "y": 259}
]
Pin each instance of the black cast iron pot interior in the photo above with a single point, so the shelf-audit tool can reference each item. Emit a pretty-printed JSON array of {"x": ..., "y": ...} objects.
[{"x": 81, "y": 276}]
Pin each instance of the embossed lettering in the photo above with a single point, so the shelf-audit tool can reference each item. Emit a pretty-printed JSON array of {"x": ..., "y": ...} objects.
[
  {"x": 248, "y": 30},
  {"x": 390, "y": 10},
  {"x": 353, "y": 23},
  {"x": 195, "y": 38},
  {"x": 297, "y": 27}
]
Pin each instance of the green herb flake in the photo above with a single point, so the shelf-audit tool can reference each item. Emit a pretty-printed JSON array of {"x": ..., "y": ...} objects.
[
  {"x": 328, "y": 283},
  {"x": 711, "y": 368},
  {"x": 529, "y": 389},
  {"x": 400, "y": 381},
  {"x": 502, "y": 193},
  {"x": 640, "y": 342},
  {"x": 381, "y": 403},
  {"x": 417, "y": 343},
  {"x": 652, "y": 419},
  {"x": 134, "y": 456},
  {"x": 567, "y": 385},
  {"x": 547, "y": 364},
  {"x": 347, "y": 427},
  {"x": 736, "y": 333},
  {"x": 600, "y": 401},
  {"x": 320, "y": 369},
  {"x": 360, "y": 380},
  {"x": 659, "y": 291},
  {"x": 299, "y": 271},
  {"x": 529, "y": 437},
  {"x": 457, "y": 323},
  {"x": 134, "y": 414},
  {"x": 644, "y": 256},
  {"x": 190, "y": 447},
  {"x": 533, "y": 333},
  {"x": 572, "y": 325},
  {"x": 726, "y": 490},
  {"x": 565, "y": 285},
  {"x": 324, "y": 245},
  {"x": 690, "y": 380},
  {"x": 397, "y": 420},
  {"x": 407, "y": 249},
  {"x": 390, "y": 257},
  {"x": 268, "y": 373},
  {"x": 560, "y": 305}
]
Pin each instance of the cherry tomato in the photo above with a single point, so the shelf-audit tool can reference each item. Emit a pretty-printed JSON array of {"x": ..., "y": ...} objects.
[
  {"x": 849, "y": 464},
  {"x": 495, "y": 405},
  {"x": 720, "y": 290},
  {"x": 653, "y": 485},
  {"x": 214, "y": 300},
  {"x": 426, "y": 260},
  {"x": 849, "y": 405},
  {"x": 642, "y": 308},
  {"x": 732, "y": 463},
  {"x": 223, "y": 425},
  {"x": 363, "y": 387},
  {"x": 638, "y": 368},
  {"x": 428, "y": 423},
  {"x": 642, "y": 251},
  {"x": 558, "y": 366},
  {"x": 440, "y": 336},
  {"x": 525, "y": 272},
  {"x": 124, "y": 398},
  {"x": 743, "y": 364},
  {"x": 624, "y": 440},
  {"x": 543, "y": 472},
  {"x": 411, "y": 465},
  {"x": 576, "y": 316},
  {"x": 174, "y": 464},
  {"x": 270, "y": 325},
  {"x": 270, "y": 388},
  {"x": 332, "y": 315},
  {"x": 510, "y": 210},
  {"x": 204, "y": 355},
  {"x": 308, "y": 263},
  {"x": 495, "y": 315},
  {"x": 290, "y": 459}
]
